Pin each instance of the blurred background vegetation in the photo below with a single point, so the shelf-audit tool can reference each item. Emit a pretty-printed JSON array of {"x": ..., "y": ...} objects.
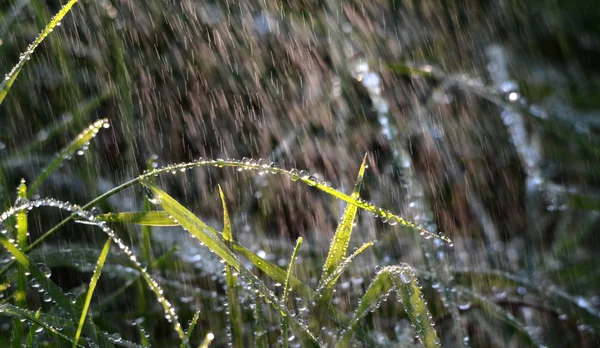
[{"x": 481, "y": 119}]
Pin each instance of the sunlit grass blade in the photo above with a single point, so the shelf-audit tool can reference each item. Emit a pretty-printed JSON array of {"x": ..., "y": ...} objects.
[
  {"x": 190, "y": 330},
  {"x": 12, "y": 75},
  {"x": 337, "y": 253},
  {"x": 142, "y": 218},
  {"x": 285, "y": 322},
  {"x": 402, "y": 279},
  {"x": 233, "y": 300},
  {"x": 21, "y": 291},
  {"x": 76, "y": 145},
  {"x": 211, "y": 239},
  {"x": 33, "y": 329},
  {"x": 206, "y": 342},
  {"x": 507, "y": 319},
  {"x": 276, "y": 273},
  {"x": 329, "y": 282},
  {"x": 294, "y": 175},
  {"x": 92, "y": 287}
]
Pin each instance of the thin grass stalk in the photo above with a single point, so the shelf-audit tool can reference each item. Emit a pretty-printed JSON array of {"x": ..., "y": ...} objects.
[
  {"x": 285, "y": 322},
  {"x": 21, "y": 291},
  {"x": 92, "y": 287},
  {"x": 190, "y": 330},
  {"x": 233, "y": 300},
  {"x": 33, "y": 329}
]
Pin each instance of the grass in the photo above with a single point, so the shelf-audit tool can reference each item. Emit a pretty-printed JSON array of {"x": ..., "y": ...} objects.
[{"x": 286, "y": 307}]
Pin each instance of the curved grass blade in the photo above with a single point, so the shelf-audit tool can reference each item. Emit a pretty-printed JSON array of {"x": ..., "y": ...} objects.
[
  {"x": 82, "y": 139},
  {"x": 12, "y": 75},
  {"x": 276, "y": 273},
  {"x": 48, "y": 285},
  {"x": 337, "y": 253},
  {"x": 190, "y": 329},
  {"x": 507, "y": 319},
  {"x": 53, "y": 289},
  {"x": 93, "y": 283},
  {"x": 402, "y": 279},
  {"x": 285, "y": 322},
  {"x": 210, "y": 238},
  {"x": 573, "y": 306},
  {"x": 233, "y": 300},
  {"x": 50, "y": 323},
  {"x": 390, "y": 217},
  {"x": 294, "y": 175}
]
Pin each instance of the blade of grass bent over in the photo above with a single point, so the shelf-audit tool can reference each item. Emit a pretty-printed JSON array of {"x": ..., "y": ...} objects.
[
  {"x": 285, "y": 322},
  {"x": 233, "y": 300},
  {"x": 210, "y": 238},
  {"x": 52, "y": 324},
  {"x": 80, "y": 141},
  {"x": 93, "y": 283},
  {"x": 276, "y": 273},
  {"x": 12, "y": 75},
  {"x": 337, "y": 253}
]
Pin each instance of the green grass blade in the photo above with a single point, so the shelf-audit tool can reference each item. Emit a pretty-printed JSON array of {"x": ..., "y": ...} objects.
[
  {"x": 12, "y": 75},
  {"x": 285, "y": 322},
  {"x": 52, "y": 289},
  {"x": 142, "y": 218},
  {"x": 52, "y": 324},
  {"x": 403, "y": 280},
  {"x": 575, "y": 307},
  {"x": 491, "y": 309},
  {"x": 209, "y": 337},
  {"x": 385, "y": 215},
  {"x": 329, "y": 282},
  {"x": 33, "y": 329},
  {"x": 337, "y": 253},
  {"x": 21, "y": 293},
  {"x": 233, "y": 300},
  {"x": 82, "y": 139},
  {"x": 144, "y": 341},
  {"x": 22, "y": 216},
  {"x": 210, "y": 238},
  {"x": 259, "y": 331},
  {"x": 93, "y": 283},
  {"x": 190, "y": 329}
]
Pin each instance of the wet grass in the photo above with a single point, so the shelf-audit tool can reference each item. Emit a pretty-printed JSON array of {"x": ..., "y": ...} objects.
[{"x": 241, "y": 295}]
